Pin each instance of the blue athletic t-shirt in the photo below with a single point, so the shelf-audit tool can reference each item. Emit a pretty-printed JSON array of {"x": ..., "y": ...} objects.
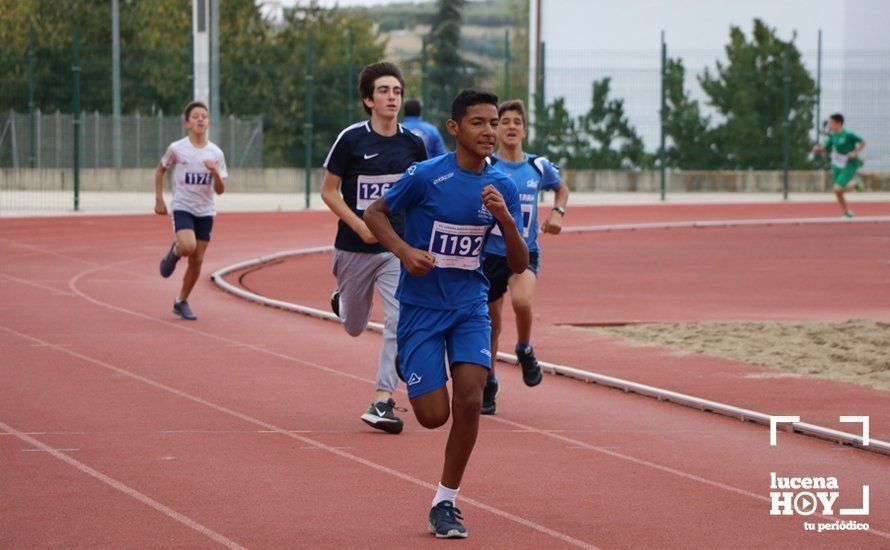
[
  {"x": 530, "y": 175},
  {"x": 444, "y": 215},
  {"x": 430, "y": 135},
  {"x": 368, "y": 164}
]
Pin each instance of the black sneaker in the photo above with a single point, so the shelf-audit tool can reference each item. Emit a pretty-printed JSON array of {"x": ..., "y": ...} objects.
[
  {"x": 381, "y": 416},
  {"x": 444, "y": 521},
  {"x": 531, "y": 370},
  {"x": 168, "y": 263},
  {"x": 335, "y": 302},
  {"x": 489, "y": 394},
  {"x": 183, "y": 310}
]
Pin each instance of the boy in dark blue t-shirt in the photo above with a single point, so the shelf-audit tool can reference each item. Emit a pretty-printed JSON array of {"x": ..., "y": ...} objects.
[
  {"x": 364, "y": 161},
  {"x": 451, "y": 204}
]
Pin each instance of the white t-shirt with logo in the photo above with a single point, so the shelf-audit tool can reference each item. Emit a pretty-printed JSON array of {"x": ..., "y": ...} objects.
[{"x": 192, "y": 181}]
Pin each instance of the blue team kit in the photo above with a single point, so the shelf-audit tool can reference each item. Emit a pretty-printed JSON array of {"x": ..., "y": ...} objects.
[
  {"x": 530, "y": 176},
  {"x": 446, "y": 308}
]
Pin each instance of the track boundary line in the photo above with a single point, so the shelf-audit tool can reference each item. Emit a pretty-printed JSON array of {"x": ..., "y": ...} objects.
[
  {"x": 661, "y": 394},
  {"x": 122, "y": 487}
]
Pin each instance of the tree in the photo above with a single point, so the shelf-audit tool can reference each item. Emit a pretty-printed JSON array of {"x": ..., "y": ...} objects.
[
  {"x": 690, "y": 141},
  {"x": 447, "y": 73},
  {"x": 554, "y": 133},
  {"x": 748, "y": 93},
  {"x": 602, "y": 138}
]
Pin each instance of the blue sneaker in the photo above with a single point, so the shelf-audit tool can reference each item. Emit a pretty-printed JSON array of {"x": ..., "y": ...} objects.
[
  {"x": 168, "y": 264},
  {"x": 183, "y": 310},
  {"x": 848, "y": 214},
  {"x": 444, "y": 521}
]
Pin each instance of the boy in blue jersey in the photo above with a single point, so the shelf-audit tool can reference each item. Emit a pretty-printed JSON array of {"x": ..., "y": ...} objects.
[
  {"x": 451, "y": 204},
  {"x": 430, "y": 135},
  {"x": 531, "y": 174},
  {"x": 363, "y": 163}
]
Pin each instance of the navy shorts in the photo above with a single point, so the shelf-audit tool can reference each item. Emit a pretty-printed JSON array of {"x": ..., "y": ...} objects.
[
  {"x": 424, "y": 335},
  {"x": 201, "y": 225},
  {"x": 498, "y": 272}
]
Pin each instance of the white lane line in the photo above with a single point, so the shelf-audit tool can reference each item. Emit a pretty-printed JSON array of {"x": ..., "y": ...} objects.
[
  {"x": 55, "y": 291},
  {"x": 126, "y": 489},
  {"x": 307, "y": 441}
]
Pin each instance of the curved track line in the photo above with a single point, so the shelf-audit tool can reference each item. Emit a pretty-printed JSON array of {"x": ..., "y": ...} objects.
[
  {"x": 322, "y": 314},
  {"x": 287, "y": 433},
  {"x": 126, "y": 489},
  {"x": 746, "y": 415}
]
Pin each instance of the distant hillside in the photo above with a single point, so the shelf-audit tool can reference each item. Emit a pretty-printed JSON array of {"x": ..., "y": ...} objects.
[{"x": 482, "y": 35}]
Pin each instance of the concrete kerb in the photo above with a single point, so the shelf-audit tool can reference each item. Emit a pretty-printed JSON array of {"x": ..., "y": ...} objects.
[{"x": 661, "y": 394}]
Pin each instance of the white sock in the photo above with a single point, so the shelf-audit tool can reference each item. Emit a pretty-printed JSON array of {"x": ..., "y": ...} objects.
[{"x": 444, "y": 493}]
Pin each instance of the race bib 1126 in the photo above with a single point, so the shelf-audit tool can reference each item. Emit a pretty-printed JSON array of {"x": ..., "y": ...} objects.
[
  {"x": 457, "y": 246},
  {"x": 371, "y": 188}
]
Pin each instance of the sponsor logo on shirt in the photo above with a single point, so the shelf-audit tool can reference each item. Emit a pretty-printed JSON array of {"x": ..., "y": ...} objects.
[
  {"x": 485, "y": 215},
  {"x": 414, "y": 379},
  {"x": 532, "y": 183},
  {"x": 526, "y": 197},
  {"x": 411, "y": 169},
  {"x": 440, "y": 179}
]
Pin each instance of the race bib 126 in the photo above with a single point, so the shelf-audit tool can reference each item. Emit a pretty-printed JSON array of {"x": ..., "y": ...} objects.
[
  {"x": 457, "y": 246},
  {"x": 371, "y": 188}
]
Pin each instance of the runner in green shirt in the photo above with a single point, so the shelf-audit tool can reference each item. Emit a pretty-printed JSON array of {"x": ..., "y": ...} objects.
[{"x": 843, "y": 146}]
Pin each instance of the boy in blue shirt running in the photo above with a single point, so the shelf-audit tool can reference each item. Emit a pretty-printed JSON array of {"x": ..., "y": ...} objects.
[
  {"x": 451, "y": 203},
  {"x": 531, "y": 174}
]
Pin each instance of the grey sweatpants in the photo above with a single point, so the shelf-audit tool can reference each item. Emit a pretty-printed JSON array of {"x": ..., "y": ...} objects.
[{"x": 357, "y": 274}]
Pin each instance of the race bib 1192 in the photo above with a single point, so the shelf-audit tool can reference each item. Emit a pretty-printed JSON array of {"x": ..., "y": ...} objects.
[
  {"x": 371, "y": 188},
  {"x": 457, "y": 246}
]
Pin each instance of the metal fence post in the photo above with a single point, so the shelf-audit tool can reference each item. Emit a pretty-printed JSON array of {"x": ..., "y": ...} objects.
[
  {"x": 31, "y": 103},
  {"x": 138, "y": 139},
  {"x": 661, "y": 152},
  {"x": 76, "y": 114},
  {"x": 507, "y": 64},
  {"x": 350, "y": 80},
  {"x": 424, "y": 77},
  {"x": 817, "y": 122},
  {"x": 307, "y": 126},
  {"x": 786, "y": 123}
]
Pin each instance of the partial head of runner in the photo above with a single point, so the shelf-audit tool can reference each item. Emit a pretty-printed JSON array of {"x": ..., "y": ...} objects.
[
  {"x": 474, "y": 122},
  {"x": 381, "y": 85},
  {"x": 197, "y": 118},
  {"x": 511, "y": 123},
  {"x": 836, "y": 122}
]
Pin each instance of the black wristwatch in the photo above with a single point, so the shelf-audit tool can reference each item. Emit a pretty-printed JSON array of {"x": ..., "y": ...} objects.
[{"x": 560, "y": 210}]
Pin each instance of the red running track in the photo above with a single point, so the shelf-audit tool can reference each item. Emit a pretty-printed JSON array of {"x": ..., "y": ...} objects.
[{"x": 123, "y": 426}]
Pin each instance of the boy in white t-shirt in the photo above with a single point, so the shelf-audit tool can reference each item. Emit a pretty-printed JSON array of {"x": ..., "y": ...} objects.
[{"x": 198, "y": 165}]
